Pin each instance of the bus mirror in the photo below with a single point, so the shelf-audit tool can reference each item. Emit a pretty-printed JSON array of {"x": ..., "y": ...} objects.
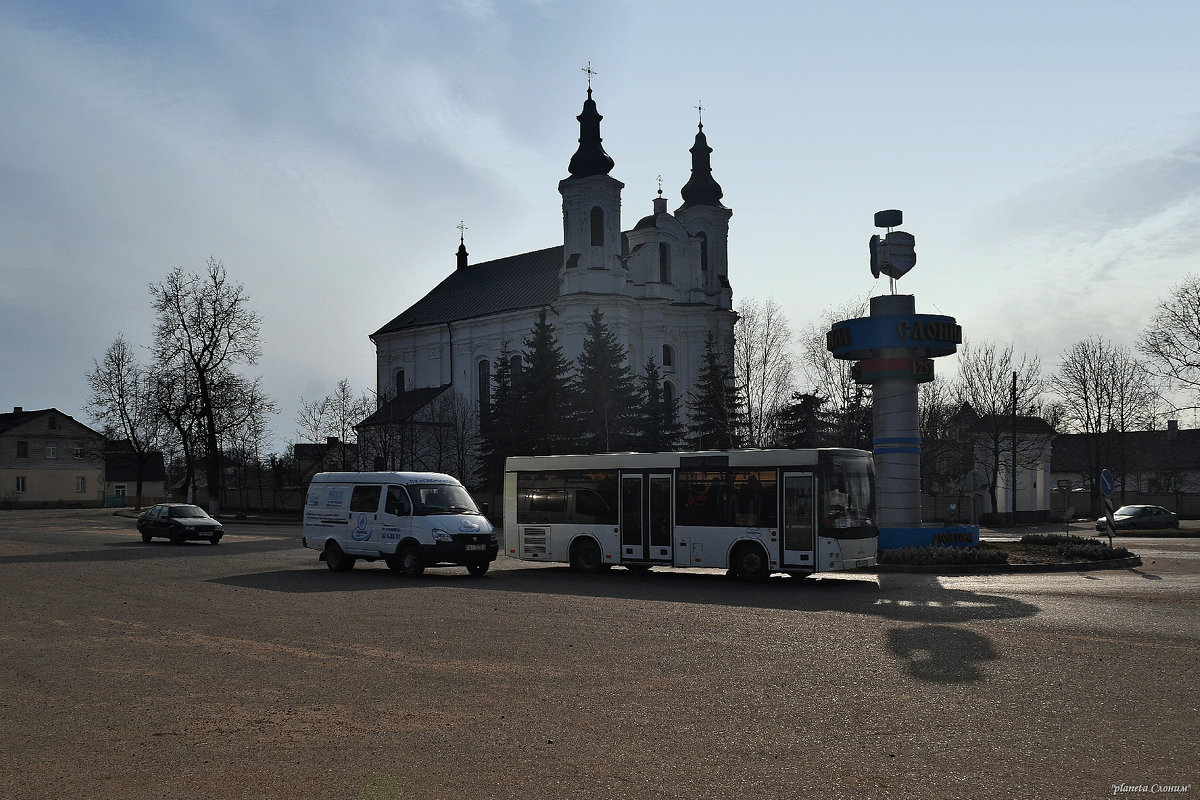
[{"x": 483, "y": 509}]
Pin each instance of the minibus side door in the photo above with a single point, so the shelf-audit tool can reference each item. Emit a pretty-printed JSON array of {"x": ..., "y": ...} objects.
[
  {"x": 362, "y": 520},
  {"x": 395, "y": 523}
]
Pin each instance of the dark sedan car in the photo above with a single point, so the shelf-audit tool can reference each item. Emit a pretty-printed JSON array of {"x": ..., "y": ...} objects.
[
  {"x": 1129, "y": 517},
  {"x": 179, "y": 522}
]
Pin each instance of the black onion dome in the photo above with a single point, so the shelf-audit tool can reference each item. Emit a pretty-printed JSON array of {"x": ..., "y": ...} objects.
[
  {"x": 590, "y": 159},
  {"x": 701, "y": 189}
]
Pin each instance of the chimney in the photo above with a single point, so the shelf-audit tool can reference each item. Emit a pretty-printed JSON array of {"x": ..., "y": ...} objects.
[
  {"x": 17, "y": 409},
  {"x": 330, "y": 441}
]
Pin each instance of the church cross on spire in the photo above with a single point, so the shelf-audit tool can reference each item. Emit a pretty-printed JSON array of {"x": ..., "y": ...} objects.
[
  {"x": 590, "y": 72},
  {"x": 700, "y": 111},
  {"x": 462, "y": 229}
]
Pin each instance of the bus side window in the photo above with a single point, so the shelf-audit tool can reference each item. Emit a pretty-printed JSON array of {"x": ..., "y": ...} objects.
[{"x": 589, "y": 503}]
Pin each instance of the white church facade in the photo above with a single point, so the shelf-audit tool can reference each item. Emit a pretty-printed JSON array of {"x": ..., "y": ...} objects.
[{"x": 662, "y": 286}]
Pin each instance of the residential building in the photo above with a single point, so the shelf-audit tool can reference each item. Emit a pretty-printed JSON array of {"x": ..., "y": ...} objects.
[
  {"x": 1155, "y": 467},
  {"x": 121, "y": 476},
  {"x": 48, "y": 458}
]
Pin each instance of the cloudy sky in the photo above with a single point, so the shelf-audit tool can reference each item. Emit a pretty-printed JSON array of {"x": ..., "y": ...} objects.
[{"x": 1046, "y": 156}]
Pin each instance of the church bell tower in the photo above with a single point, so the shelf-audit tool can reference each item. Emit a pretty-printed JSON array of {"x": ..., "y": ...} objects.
[{"x": 591, "y": 212}]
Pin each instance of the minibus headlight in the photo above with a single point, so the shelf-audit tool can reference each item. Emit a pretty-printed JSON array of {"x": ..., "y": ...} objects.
[{"x": 440, "y": 535}]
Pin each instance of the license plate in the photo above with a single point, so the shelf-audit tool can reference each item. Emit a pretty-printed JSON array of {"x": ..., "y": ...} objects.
[{"x": 477, "y": 547}]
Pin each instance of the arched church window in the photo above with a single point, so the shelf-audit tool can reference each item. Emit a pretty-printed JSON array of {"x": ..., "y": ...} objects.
[
  {"x": 664, "y": 262},
  {"x": 399, "y": 382},
  {"x": 485, "y": 387},
  {"x": 703, "y": 251},
  {"x": 668, "y": 393},
  {"x": 668, "y": 359},
  {"x": 597, "y": 226}
]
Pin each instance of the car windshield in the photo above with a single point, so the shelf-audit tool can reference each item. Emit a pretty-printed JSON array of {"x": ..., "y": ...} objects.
[
  {"x": 1129, "y": 511},
  {"x": 187, "y": 512},
  {"x": 441, "y": 498}
]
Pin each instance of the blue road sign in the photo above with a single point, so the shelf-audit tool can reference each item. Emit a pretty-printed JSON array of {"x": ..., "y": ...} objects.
[{"x": 1106, "y": 483}]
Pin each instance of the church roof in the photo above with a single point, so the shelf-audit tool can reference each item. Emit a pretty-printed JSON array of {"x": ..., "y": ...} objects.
[
  {"x": 702, "y": 188},
  {"x": 528, "y": 280},
  {"x": 590, "y": 159}
]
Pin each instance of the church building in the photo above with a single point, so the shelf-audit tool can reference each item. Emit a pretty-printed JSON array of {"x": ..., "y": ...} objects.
[{"x": 662, "y": 286}]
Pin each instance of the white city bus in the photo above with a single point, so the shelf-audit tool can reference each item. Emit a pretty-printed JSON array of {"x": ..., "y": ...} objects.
[{"x": 752, "y": 512}]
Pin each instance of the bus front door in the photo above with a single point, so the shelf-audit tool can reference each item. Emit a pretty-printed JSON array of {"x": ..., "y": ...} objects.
[
  {"x": 798, "y": 521},
  {"x": 646, "y": 522}
]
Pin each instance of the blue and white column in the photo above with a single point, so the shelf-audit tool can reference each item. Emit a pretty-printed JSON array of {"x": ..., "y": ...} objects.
[{"x": 894, "y": 349}]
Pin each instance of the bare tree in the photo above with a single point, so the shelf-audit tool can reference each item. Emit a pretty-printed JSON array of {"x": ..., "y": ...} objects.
[
  {"x": 763, "y": 366},
  {"x": 244, "y": 410},
  {"x": 122, "y": 401},
  {"x": 444, "y": 436},
  {"x": 1104, "y": 389},
  {"x": 204, "y": 326},
  {"x": 848, "y": 402},
  {"x": 336, "y": 415},
  {"x": 312, "y": 420},
  {"x": 1171, "y": 342},
  {"x": 177, "y": 402},
  {"x": 998, "y": 388},
  {"x": 943, "y": 459}
]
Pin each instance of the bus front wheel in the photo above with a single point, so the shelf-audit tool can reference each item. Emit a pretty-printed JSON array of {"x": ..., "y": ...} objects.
[
  {"x": 750, "y": 563},
  {"x": 586, "y": 556}
]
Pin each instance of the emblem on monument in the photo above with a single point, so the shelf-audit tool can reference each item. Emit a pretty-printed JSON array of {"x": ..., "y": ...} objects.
[{"x": 895, "y": 253}]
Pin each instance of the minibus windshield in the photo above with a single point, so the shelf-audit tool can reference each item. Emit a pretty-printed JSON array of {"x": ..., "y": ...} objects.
[{"x": 441, "y": 499}]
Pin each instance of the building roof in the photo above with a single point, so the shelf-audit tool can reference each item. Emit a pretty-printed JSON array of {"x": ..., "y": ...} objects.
[
  {"x": 701, "y": 189},
  {"x": 1146, "y": 449},
  {"x": 19, "y": 416},
  {"x": 528, "y": 280},
  {"x": 590, "y": 159},
  {"x": 403, "y": 406},
  {"x": 1030, "y": 425}
]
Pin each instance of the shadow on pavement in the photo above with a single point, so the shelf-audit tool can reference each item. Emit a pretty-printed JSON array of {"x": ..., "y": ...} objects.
[{"x": 933, "y": 649}]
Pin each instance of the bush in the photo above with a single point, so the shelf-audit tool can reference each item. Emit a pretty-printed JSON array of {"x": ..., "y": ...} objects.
[
  {"x": 1049, "y": 538},
  {"x": 941, "y": 556},
  {"x": 1076, "y": 548},
  {"x": 1090, "y": 550}
]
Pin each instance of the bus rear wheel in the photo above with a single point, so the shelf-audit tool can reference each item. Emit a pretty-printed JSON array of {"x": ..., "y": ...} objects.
[
  {"x": 586, "y": 555},
  {"x": 750, "y": 563}
]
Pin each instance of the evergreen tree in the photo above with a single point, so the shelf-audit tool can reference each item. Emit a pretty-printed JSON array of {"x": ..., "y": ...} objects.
[
  {"x": 803, "y": 423},
  {"x": 499, "y": 424},
  {"x": 661, "y": 429},
  {"x": 610, "y": 403},
  {"x": 715, "y": 404},
  {"x": 546, "y": 395}
]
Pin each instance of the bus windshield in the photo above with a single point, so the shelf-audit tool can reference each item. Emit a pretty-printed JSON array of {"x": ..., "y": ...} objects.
[{"x": 847, "y": 504}]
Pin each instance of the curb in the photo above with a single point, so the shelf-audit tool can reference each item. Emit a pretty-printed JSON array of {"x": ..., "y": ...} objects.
[{"x": 1002, "y": 569}]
